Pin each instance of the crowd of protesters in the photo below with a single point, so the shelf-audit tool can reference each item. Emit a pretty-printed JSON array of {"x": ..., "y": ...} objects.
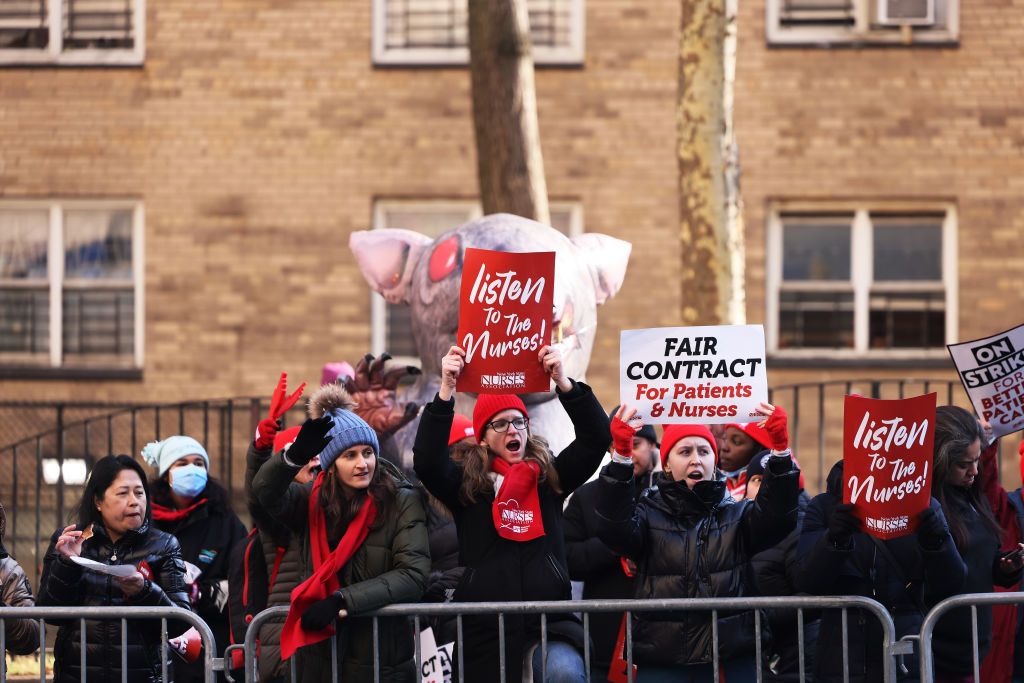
[{"x": 489, "y": 513}]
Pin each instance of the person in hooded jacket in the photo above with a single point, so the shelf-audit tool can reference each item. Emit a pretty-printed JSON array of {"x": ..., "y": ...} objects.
[
  {"x": 361, "y": 533},
  {"x": 196, "y": 509},
  {"x": 114, "y": 528},
  {"x": 605, "y": 575},
  {"x": 506, "y": 494},
  {"x": 957, "y": 486},
  {"x": 690, "y": 539},
  {"x": 21, "y": 636},
  {"x": 907, "y": 575}
]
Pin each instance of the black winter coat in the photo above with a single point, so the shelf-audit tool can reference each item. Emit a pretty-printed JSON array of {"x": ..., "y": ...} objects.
[
  {"x": 861, "y": 569},
  {"x": 694, "y": 543},
  {"x": 600, "y": 570},
  {"x": 502, "y": 569},
  {"x": 953, "y": 640},
  {"x": 65, "y": 583},
  {"x": 207, "y": 536}
]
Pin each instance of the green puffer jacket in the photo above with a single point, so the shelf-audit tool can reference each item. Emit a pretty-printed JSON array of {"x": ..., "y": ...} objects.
[{"x": 391, "y": 566}]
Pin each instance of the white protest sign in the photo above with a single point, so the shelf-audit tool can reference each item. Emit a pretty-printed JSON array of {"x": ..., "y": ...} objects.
[
  {"x": 992, "y": 371},
  {"x": 694, "y": 375},
  {"x": 435, "y": 662}
]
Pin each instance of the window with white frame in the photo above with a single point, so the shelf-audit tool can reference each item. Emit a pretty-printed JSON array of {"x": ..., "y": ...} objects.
[
  {"x": 848, "y": 280},
  {"x": 72, "y": 32},
  {"x": 71, "y": 284},
  {"x": 862, "y": 22},
  {"x": 391, "y": 324},
  {"x": 435, "y": 32}
]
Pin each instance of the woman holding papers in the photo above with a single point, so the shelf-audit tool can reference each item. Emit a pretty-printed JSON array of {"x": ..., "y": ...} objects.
[
  {"x": 362, "y": 537},
  {"x": 112, "y": 557},
  {"x": 506, "y": 493},
  {"x": 690, "y": 539}
]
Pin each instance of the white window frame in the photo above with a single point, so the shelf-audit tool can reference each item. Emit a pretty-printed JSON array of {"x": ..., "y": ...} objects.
[
  {"x": 570, "y": 55},
  {"x": 861, "y": 276},
  {"x": 55, "y": 54},
  {"x": 863, "y": 32},
  {"x": 55, "y": 269},
  {"x": 378, "y": 307}
]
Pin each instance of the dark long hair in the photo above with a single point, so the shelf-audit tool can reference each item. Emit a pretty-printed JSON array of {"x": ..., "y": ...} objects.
[
  {"x": 956, "y": 430},
  {"x": 103, "y": 474},
  {"x": 341, "y": 508},
  {"x": 476, "y": 466}
]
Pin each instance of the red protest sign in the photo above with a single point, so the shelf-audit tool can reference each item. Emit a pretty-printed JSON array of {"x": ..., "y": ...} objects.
[
  {"x": 505, "y": 310},
  {"x": 887, "y": 461}
]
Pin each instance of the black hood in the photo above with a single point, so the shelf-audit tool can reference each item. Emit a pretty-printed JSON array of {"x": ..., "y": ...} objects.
[{"x": 834, "y": 483}]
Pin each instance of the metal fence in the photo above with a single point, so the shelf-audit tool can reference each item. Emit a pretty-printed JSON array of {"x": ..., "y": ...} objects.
[
  {"x": 124, "y": 615},
  {"x": 500, "y": 610},
  {"x": 971, "y": 600}
]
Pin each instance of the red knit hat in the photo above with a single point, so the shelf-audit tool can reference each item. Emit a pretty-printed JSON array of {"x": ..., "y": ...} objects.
[
  {"x": 489, "y": 405},
  {"x": 673, "y": 433},
  {"x": 462, "y": 427},
  {"x": 755, "y": 431},
  {"x": 285, "y": 437}
]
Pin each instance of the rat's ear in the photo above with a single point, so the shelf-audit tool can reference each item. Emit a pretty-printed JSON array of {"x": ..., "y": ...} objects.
[{"x": 387, "y": 259}]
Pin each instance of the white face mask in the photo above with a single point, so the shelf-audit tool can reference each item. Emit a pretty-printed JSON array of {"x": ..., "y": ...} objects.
[{"x": 188, "y": 480}]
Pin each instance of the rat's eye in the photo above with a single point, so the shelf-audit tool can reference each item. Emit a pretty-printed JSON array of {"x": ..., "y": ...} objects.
[{"x": 445, "y": 259}]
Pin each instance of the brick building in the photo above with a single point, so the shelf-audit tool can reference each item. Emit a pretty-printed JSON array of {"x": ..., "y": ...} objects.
[{"x": 192, "y": 180}]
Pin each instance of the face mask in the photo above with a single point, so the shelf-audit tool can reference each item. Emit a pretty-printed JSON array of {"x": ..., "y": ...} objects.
[{"x": 188, "y": 481}]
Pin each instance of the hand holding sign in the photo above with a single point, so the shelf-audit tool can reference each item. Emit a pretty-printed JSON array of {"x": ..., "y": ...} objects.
[
  {"x": 451, "y": 367},
  {"x": 623, "y": 431},
  {"x": 551, "y": 358},
  {"x": 776, "y": 425},
  {"x": 931, "y": 530}
]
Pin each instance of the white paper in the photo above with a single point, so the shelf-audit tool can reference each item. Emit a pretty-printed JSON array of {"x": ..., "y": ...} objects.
[
  {"x": 992, "y": 372},
  {"x": 192, "y": 572},
  {"x": 694, "y": 375},
  {"x": 121, "y": 570},
  {"x": 435, "y": 662}
]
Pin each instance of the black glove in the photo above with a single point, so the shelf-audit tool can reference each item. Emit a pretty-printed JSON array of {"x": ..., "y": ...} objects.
[
  {"x": 931, "y": 530},
  {"x": 322, "y": 613},
  {"x": 842, "y": 525},
  {"x": 311, "y": 439}
]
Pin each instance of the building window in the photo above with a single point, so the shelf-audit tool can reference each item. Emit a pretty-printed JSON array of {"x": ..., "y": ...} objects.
[
  {"x": 862, "y": 22},
  {"x": 88, "y": 32},
  {"x": 847, "y": 280},
  {"x": 391, "y": 325},
  {"x": 434, "y": 32},
  {"x": 71, "y": 284}
]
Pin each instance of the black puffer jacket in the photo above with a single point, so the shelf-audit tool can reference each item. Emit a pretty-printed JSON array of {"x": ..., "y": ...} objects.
[
  {"x": 65, "y": 583},
  {"x": 862, "y": 569},
  {"x": 694, "y": 543},
  {"x": 953, "y": 642},
  {"x": 502, "y": 569},
  {"x": 207, "y": 536}
]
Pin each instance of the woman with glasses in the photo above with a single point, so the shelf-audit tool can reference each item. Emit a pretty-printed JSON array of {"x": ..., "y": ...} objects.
[{"x": 506, "y": 491}]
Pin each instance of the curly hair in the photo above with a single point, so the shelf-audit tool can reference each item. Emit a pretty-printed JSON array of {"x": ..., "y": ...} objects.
[{"x": 475, "y": 460}]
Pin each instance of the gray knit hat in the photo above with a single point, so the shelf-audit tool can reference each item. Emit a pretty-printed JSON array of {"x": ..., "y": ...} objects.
[{"x": 349, "y": 429}]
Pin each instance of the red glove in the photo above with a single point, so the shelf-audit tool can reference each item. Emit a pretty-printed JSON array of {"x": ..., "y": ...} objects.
[
  {"x": 777, "y": 430},
  {"x": 280, "y": 402},
  {"x": 622, "y": 437},
  {"x": 266, "y": 430}
]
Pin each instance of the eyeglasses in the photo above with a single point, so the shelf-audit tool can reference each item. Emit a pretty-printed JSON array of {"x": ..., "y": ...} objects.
[{"x": 501, "y": 426}]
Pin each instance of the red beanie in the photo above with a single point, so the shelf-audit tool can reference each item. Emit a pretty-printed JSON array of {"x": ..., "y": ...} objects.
[
  {"x": 673, "y": 433},
  {"x": 755, "y": 431},
  {"x": 285, "y": 437},
  {"x": 489, "y": 405},
  {"x": 462, "y": 427}
]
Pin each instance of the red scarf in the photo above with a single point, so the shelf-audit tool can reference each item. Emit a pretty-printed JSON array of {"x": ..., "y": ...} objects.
[
  {"x": 516, "y": 508},
  {"x": 166, "y": 514},
  {"x": 327, "y": 564}
]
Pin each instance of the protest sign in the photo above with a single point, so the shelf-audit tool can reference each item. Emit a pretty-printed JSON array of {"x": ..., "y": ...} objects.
[
  {"x": 992, "y": 372},
  {"x": 435, "y": 660},
  {"x": 505, "y": 309},
  {"x": 706, "y": 375},
  {"x": 887, "y": 461}
]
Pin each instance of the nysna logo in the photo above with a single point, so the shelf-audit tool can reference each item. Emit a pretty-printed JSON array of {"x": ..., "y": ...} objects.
[
  {"x": 514, "y": 518},
  {"x": 505, "y": 380},
  {"x": 888, "y": 524}
]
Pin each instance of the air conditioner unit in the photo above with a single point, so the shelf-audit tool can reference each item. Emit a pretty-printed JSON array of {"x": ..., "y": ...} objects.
[{"x": 906, "y": 12}]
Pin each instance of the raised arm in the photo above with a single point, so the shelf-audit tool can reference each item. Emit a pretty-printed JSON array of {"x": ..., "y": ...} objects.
[
  {"x": 587, "y": 555},
  {"x": 430, "y": 458},
  {"x": 620, "y": 524},
  {"x": 773, "y": 514}
]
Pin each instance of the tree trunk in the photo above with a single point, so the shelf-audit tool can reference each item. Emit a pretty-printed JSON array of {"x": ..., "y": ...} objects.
[
  {"x": 510, "y": 166},
  {"x": 710, "y": 240}
]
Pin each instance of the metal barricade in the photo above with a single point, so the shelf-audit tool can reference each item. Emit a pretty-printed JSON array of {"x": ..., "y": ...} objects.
[
  {"x": 972, "y": 600},
  {"x": 499, "y": 610},
  {"x": 124, "y": 614}
]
